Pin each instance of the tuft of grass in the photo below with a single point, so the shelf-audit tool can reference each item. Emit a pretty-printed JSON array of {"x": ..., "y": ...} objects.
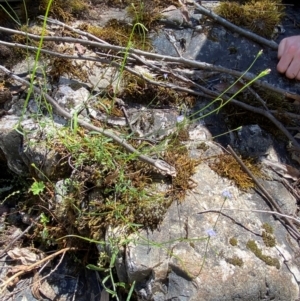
[{"x": 145, "y": 12}]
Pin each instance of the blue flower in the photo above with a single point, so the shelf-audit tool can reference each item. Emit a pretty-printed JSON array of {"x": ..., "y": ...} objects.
[
  {"x": 180, "y": 118},
  {"x": 211, "y": 232},
  {"x": 227, "y": 194}
]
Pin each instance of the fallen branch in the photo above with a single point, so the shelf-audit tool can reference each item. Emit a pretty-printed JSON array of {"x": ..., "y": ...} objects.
[
  {"x": 253, "y": 210},
  {"x": 208, "y": 93},
  {"x": 161, "y": 165},
  {"x": 163, "y": 59},
  {"x": 26, "y": 269}
]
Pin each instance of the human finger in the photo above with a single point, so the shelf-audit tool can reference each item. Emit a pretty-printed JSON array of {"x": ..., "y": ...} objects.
[
  {"x": 284, "y": 63},
  {"x": 294, "y": 66},
  {"x": 281, "y": 48}
]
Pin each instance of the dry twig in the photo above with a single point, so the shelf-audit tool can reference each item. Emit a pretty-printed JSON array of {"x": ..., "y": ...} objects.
[{"x": 26, "y": 269}]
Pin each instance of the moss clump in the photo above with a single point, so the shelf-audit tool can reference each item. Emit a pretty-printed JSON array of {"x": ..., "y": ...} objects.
[
  {"x": 252, "y": 246},
  {"x": 140, "y": 90},
  {"x": 64, "y": 9},
  {"x": 235, "y": 260},
  {"x": 226, "y": 166},
  {"x": 268, "y": 239},
  {"x": 177, "y": 155},
  {"x": 268, "y": 228},
  {"x": 233, "y": 241},
  {"x": 117, "y": 32},
  {"x": 60, "y": 66},
  {"x": 259, "y": 16},
  {"x": 267, "y": 235}
]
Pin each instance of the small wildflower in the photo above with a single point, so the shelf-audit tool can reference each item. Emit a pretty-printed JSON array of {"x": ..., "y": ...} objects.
[
  {"x": 226, "y": 194},
  {"x": 211, "y": 232},
  {"x": 165, "y": 76},
  {"x": 180, "y": 118},
  {"x": 265, "y": 72}
]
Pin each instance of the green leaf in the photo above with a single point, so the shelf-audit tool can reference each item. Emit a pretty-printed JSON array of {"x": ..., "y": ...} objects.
[
  {"x": 37, "y": 188},
  {"x": 94, "y": 267},
  {"x": 44, "y": 219}
]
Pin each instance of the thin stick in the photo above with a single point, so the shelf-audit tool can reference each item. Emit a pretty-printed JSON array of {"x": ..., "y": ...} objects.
[
  {"x": 162, "y": 58},
  {"x": 137, "y": 54},
  {"x": 26, "y": 269},
  {"x": 253, "y": 210},
  {"x": 183, "y": 89},
  {"x": 18, "y": 237},
  {"x": 83, "y": 33}
]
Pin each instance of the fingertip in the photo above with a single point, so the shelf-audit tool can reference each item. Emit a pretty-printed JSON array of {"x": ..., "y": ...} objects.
[
  {"x": 281, "y": 66},
  {"x": 281, "y": 48}
]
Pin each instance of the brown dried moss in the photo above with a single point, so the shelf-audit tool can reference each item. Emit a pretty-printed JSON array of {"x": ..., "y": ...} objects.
[
  {"x": 226, "y": 166},
  {"x": 64, "y": 9}
]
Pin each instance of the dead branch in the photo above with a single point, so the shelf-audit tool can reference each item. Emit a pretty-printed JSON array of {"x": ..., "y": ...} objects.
[
  {"x": 163, "y": 59},
  {"x": 253, "y": 210},
  {"x": 207, "y": 92},
  {"x": 26, "y": 269}
]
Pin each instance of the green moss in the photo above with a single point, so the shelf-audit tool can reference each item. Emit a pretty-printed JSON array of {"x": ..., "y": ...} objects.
[
  {"x": 252, "y": 246},
  {"x": 267, "y": 235},
  {"x": 268, "y": 228},
  {"x": 235, "y": 260},
  {"x": 269, "y": 239},
  {"x": 233, "y": 241}
]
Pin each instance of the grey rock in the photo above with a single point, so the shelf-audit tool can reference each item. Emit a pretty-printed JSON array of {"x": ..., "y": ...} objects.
[
  {"x": 99, "y": 78},
  {"x": 178, "y": 262},
  {"x": 36, "y": 150},
  {"x": 253, "y": 141},
  {"x": 10, "y": 143}
]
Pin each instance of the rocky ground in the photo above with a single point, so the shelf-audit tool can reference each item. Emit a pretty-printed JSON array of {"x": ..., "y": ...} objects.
[{"x": 136, "y": 168}]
